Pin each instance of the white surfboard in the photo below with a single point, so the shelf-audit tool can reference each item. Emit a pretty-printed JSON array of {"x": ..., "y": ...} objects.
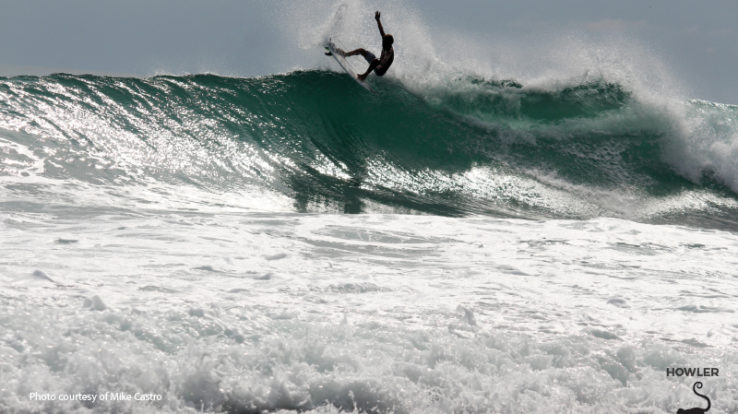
[{"x": 333, "y": 49}]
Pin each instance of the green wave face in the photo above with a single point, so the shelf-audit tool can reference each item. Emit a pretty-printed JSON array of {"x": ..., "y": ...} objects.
[{"x": 467, "y": 146}]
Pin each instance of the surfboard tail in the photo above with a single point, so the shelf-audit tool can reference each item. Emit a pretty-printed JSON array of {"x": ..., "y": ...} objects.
[{"x": 339, "y": 55}]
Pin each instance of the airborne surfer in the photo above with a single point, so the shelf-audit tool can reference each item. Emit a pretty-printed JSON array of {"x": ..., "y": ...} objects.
[{"x": 379, "y": 66}]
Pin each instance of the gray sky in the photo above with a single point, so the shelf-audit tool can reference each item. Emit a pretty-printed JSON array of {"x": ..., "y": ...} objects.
[{"x": 697, "y": 41}]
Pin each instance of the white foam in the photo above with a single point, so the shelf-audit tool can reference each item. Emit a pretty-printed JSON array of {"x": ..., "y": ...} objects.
[
  {"x": 374, "y": 313},
  {"x": 705, "y": 142}
]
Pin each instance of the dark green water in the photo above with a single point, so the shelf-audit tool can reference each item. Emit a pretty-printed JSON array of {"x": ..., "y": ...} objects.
[{"x": 466, "y": 146}]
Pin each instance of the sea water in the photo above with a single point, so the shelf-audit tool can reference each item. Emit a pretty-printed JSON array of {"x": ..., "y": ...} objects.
[{"x": 291, "y": 243}]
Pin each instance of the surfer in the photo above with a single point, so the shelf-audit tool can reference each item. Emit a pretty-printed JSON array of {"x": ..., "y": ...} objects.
[{"x": 379, "y": 66}]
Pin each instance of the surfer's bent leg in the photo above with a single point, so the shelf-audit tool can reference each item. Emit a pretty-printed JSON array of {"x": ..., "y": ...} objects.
[
  {"x": 368, "y": 56},
  {"x": 372, "y": 65},
  {"x": 358, "y": 51}
]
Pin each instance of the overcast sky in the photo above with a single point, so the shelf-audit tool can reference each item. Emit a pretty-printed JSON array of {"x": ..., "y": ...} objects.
[{"x": 698, "y": 41}]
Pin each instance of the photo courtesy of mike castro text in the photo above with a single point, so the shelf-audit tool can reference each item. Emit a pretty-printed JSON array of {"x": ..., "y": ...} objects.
[{"x": 94, "y": 397}]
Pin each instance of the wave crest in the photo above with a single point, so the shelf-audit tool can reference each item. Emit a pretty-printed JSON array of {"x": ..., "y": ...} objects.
[{"x": 466, "y": 145}]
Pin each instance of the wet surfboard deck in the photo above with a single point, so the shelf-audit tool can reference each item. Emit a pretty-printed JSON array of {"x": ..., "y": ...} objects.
[{"x": 333, "y": 49}]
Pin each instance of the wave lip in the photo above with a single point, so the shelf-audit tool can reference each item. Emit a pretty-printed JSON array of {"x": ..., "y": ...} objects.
[{"x": 465, "y": 145}]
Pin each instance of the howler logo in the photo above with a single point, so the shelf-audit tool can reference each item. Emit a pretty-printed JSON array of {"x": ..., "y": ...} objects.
[{"x": 696, "y": 410}]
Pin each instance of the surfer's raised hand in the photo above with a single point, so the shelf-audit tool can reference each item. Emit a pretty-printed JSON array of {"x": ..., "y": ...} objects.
[{"x": 379, "y": 24}]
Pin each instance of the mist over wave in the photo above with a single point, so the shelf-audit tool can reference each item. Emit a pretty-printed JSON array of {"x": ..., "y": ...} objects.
[{"x": 567, "y": 127}]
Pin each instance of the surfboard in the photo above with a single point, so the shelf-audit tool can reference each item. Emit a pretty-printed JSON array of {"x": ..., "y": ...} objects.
[{"x": 333, "y": 49}]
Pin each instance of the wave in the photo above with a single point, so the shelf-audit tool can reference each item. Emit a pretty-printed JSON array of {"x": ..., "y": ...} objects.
[{"x": 467, "y": 145}]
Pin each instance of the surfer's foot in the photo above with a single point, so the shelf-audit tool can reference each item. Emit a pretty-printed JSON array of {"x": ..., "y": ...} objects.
[
  {"x": 361, "y": 77},
  {"x": 328, "y": 53}
]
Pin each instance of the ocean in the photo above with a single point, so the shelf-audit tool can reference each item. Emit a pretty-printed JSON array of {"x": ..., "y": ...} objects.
[{"x": 292, "y": 243}]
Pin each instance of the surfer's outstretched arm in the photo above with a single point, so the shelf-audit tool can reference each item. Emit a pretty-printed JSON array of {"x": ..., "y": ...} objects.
[{"x": 376, "y": 17}]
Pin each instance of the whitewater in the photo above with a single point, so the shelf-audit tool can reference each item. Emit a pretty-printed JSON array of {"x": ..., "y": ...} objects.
[{"x": 461, "y": 241}]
